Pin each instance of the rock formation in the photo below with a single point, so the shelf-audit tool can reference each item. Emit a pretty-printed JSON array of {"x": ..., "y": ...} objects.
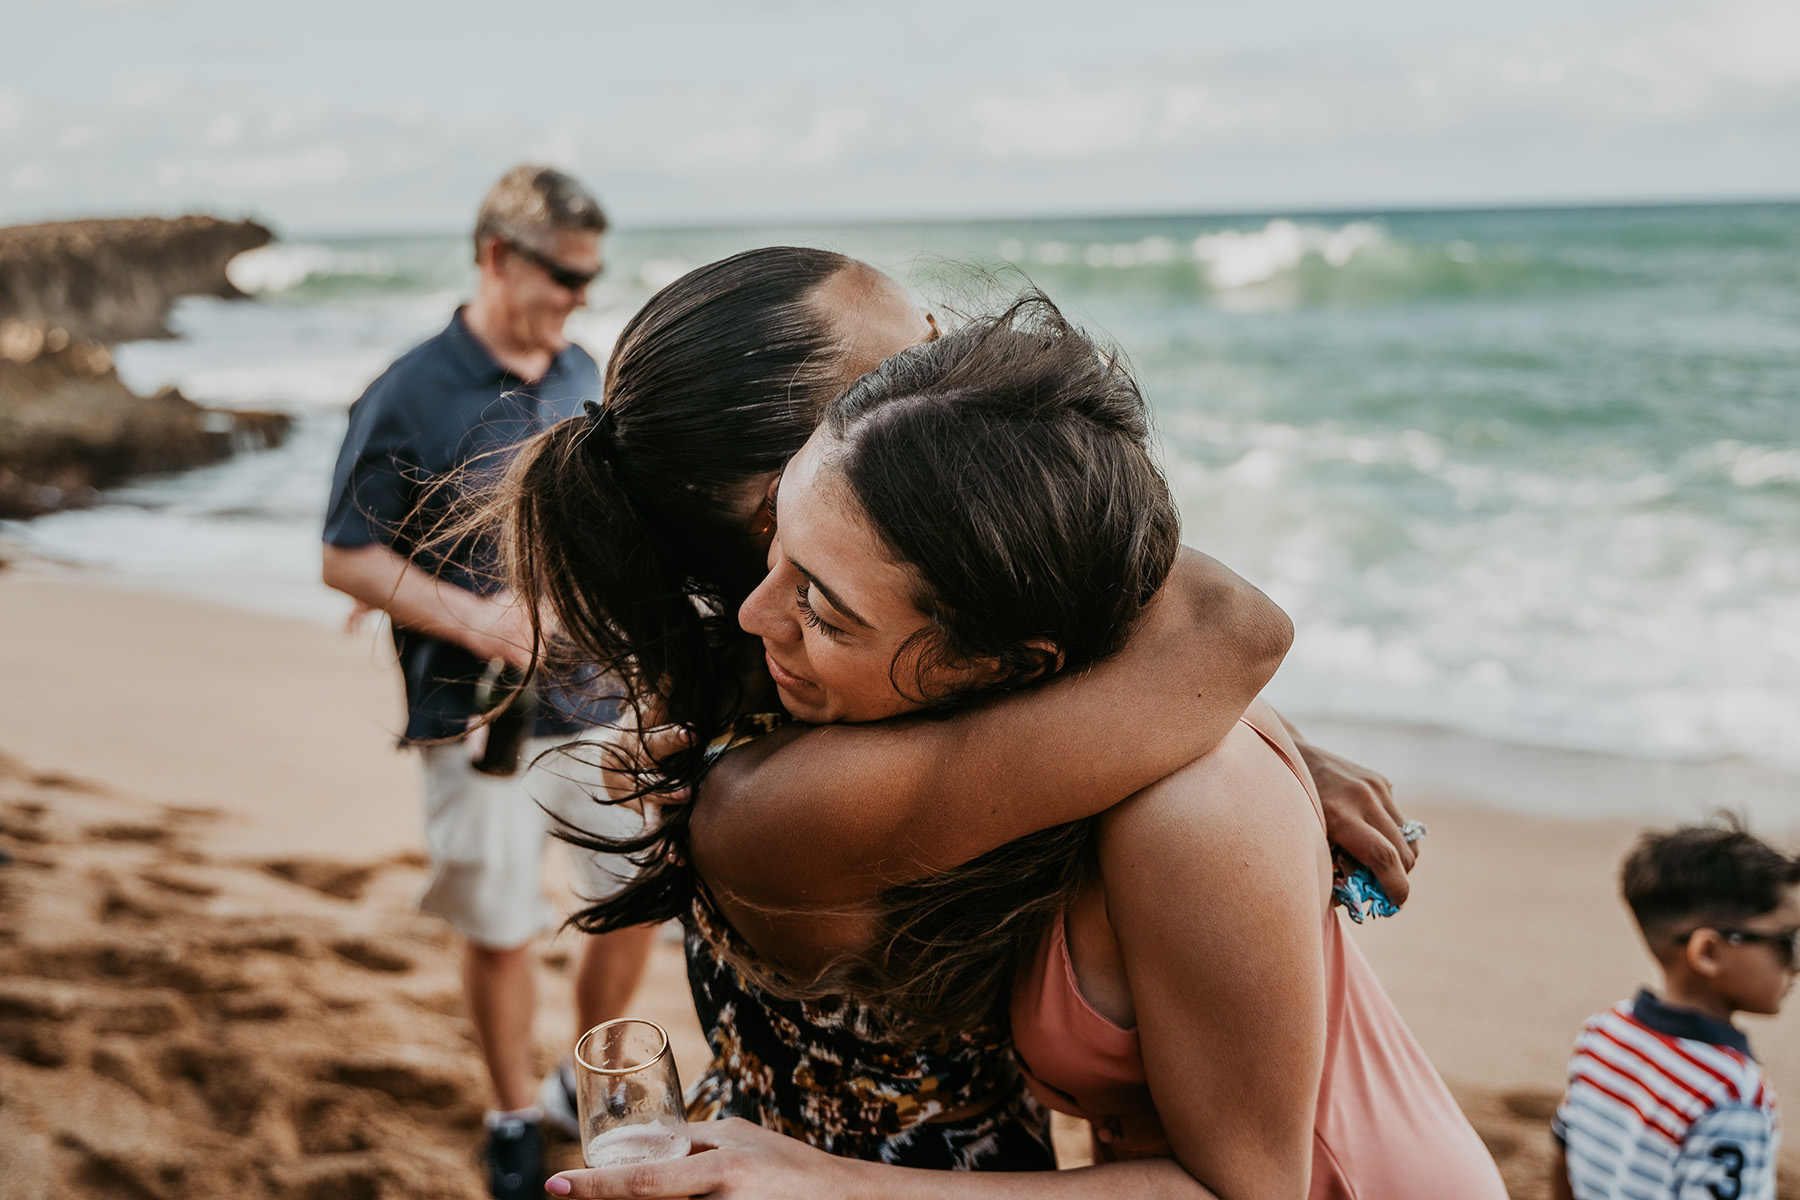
[{"x": 69, "y": 289}]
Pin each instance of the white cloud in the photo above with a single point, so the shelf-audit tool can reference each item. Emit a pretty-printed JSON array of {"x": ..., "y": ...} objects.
[
  {"x": 79, "y": 137},
  {"x": 830, "y": 131},
  {"x": 32, "y": 177},
  {"x": 1659, "y": 101},
  {"x": 312, "y": 167},
  {"x": 1528, "y": 71},
  {"x": 1731, "y": 45},
  {"x": 726, "y": 128},
  {"x": 1061, "y": 121},
  {"x": 12, "y": 113},
  {"x": 145, "y": 92},
  {"x": 1705, "y": 61},
  {"x": 1189, "y": 107},
  {"x": 223, "y": 130},
  {"x": 561, "y": 149}
]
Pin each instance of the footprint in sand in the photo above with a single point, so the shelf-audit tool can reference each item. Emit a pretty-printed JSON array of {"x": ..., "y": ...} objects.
[
  {"x": 122, "y": 1060},
  {"x": 335, "y": 1120},
  {"x": 181, "y": 885},
  {"x": 231, "y": 1084},
  {"x": 345, "y": 881},
  {"x": 61, "y": 782},
  {"x": 218, "y": 1038},
  {"x": 23, "y": 823},
  {"x": 252, "y": 1006},
  {"x": 372, "y": 955},
  {"x": 339, "y": 1177},
  {"x": 268, "y": 936},
  {"x": 125, "y": 831},
  {"x": 58, "y": 1004},
  {"x": 1534, "y": 1104},
  {"x": 407, "y": 1082},
  {"x": 129, "y": 899},
  {"x": 35, "y": 1042},
  {"x": 142, "y": 1013},
  {"x": 139, "y": 959},
  {"x": 369, "y": 1176}
]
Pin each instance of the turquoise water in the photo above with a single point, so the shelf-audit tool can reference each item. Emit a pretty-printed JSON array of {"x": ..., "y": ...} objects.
[{"x": 1530, "y": 475}]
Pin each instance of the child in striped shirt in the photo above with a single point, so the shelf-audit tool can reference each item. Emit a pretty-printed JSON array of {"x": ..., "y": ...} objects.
[{"x": 1665, "y": 1101}]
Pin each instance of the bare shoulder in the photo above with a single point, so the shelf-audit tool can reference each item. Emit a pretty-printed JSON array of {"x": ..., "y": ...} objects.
[
  {"x": 1215, "y": 883},
  {"x": 1237, "y": 810},
  {"x": 839, "y": 797},
  {"x": 1243, "y": 781}
]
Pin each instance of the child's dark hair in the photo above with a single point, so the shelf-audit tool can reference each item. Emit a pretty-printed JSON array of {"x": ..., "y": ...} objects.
[{"x": 1698, "y": 874}]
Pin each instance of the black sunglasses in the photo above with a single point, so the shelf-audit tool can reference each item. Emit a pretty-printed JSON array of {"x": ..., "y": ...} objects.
[
  {"x": 561, "y": 276},
  {"x": 1786, "y": 943}
]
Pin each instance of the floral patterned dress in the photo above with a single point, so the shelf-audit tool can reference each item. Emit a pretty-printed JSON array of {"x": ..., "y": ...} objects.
[{"x": 821, "y": 1072}]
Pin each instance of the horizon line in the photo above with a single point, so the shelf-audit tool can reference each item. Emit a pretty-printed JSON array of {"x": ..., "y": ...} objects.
[{"x": 1269, "y": 212}]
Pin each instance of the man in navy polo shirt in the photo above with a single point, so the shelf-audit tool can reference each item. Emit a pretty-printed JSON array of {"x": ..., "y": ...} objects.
[{"x": 452, "y": 409}]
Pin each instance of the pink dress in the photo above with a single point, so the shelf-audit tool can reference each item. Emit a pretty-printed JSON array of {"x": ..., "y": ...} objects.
[{"x": 1386, "y": 1127}]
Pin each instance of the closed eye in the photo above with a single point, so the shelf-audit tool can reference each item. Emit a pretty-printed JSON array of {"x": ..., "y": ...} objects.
[{"x": 809, "y": 614}]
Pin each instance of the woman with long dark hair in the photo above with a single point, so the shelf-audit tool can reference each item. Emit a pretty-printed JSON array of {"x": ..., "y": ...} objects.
[
  {"x": 977, "y": 515},
  {"x": 643, "y": 527}
]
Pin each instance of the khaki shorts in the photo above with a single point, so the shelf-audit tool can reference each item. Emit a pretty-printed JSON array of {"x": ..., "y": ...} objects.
[{"x": 486, "y": 837}]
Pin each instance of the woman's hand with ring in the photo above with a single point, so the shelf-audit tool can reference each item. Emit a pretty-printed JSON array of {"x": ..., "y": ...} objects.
[{"x": 1361, "y": 816}]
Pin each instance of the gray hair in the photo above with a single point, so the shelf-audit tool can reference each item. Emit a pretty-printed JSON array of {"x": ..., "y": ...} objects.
[{"x": 530, "y": 201}]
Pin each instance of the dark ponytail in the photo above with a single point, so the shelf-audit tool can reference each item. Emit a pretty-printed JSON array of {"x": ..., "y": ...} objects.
[{"x": 628, "y": 524}]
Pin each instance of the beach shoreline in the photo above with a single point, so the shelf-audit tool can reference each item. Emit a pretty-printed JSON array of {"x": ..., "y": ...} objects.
[{"x": 284, "y": 728}]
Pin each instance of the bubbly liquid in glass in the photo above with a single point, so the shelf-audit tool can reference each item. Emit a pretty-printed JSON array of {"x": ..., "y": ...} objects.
[{"x": 635, "y": 1144}]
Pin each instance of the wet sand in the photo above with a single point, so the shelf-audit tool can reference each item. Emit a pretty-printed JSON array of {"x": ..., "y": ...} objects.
[{"x": 211, "y": 981}]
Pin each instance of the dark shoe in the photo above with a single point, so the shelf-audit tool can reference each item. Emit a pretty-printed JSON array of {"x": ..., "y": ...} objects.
[{"x": 514, "y": 1157}]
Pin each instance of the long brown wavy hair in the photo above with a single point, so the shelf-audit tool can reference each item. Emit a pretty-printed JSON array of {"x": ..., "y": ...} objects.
[{"x": 1008, "y": 463}]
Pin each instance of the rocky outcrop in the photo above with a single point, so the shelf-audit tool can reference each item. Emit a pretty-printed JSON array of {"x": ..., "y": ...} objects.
[
  {"x": 68, "y": 425},
  {"x": 115, "y": 281}
]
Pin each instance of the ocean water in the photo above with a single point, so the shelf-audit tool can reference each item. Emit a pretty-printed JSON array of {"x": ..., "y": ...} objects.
[{"x": 1532, "y": 476}]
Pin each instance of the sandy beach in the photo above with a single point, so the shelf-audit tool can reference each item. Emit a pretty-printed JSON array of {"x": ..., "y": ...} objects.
[{"x": 211, "y": 981}]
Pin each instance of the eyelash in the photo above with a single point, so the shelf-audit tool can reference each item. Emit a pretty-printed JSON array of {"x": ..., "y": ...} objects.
[{"x": 811, "y": 616}]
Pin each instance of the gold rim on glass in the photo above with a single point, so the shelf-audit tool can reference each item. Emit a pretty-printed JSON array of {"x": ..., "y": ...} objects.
[{"x": 581, "y": 1045}]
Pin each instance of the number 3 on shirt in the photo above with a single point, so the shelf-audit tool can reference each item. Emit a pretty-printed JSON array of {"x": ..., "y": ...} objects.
[{"x": 1732, "y": 1159}]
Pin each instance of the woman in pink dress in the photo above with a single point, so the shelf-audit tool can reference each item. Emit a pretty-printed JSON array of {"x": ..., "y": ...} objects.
[{"x": 1191, "y": 991}]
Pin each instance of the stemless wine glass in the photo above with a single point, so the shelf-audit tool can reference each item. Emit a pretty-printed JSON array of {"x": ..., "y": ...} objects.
[{"x": 628, "y": 1094}]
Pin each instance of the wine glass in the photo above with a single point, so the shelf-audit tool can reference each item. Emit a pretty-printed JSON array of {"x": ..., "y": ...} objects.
[{"x": 628, "y": 1095}]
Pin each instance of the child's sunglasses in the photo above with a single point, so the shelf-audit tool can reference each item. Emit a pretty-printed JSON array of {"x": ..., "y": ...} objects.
[{"x": 1786, "y": 943}]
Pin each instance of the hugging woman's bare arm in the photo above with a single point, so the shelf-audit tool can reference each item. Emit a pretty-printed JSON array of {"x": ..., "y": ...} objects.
[
  {"x": 1215, "y": 884},
  {"x": 875, "y": 805}
]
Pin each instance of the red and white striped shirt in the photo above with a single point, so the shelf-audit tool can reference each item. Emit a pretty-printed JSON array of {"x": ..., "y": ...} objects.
[{"x": 1666, "y": 1103}]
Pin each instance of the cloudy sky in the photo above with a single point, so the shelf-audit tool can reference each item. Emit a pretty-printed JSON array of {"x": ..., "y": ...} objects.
[{"x": 382, "y": 116}]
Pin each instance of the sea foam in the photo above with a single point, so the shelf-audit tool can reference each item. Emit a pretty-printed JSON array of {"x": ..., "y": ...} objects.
[
  {"x": 1235, "y": 259},
  {"x": 1527, "y": 476}
]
